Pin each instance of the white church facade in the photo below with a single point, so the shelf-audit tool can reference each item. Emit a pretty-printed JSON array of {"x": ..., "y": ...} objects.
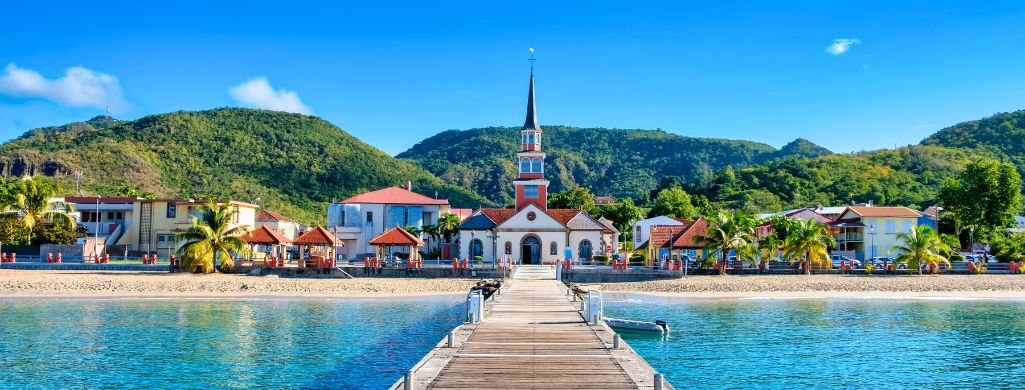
[{"x": 531, "y": 233}]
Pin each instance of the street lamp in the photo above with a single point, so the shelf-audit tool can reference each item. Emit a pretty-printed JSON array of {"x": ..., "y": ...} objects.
[{"x": 872, "y": 233}]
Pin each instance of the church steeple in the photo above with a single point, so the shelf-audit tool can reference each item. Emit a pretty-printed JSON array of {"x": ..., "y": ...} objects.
[
  {"x": 531, "y": 186},
  {"x": 531, "y": 122}
]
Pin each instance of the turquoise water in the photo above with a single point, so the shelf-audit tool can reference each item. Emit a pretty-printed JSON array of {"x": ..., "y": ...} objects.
[
  {"x": 217, "y": 344},
  {"x": 862, "y": 344}
]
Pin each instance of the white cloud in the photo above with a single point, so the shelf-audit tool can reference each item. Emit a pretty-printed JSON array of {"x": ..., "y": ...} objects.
[
  {"x": 257, "y": 93},
  {"x": 841, "y": 45},
  {"x": 80, "y": 87}
]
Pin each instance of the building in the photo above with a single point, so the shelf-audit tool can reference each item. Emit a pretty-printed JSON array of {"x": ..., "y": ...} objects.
[
  {"x": 606, "y": 200},
  {"x": 135, "y": 225},
  {"x": 868, "y": 231},
  {"x": 675, "y": 241},
  {"x": 279, "y": 223},
  {"x": 642, "y": 228},
  {"x": 357, "y": 220},
  {"x": 831, "y": 212},
  {"x": 765, "y": 228},
  {"x": 531, "y": 233}
]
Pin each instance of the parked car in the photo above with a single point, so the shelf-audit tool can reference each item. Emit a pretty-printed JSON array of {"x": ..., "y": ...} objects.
[
  {"x": 878, "y": 260},
  {"x": 837, "y": 259}
]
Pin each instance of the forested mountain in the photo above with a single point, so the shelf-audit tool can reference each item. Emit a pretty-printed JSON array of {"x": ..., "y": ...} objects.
[
  {"x": 1001, "y": 133},
  {"x": 908, "y": 176},
  {"x": 623, "y": 163},
  {"x": 292, "y": 163}
]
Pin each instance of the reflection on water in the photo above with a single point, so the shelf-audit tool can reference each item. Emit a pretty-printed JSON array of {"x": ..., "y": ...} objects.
[
  {"x": 204, "y": 343},
  {"x": 806, "y": 343}
]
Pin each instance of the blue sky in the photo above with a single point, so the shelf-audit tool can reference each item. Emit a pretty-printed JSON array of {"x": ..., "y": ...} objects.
[{"x": 393, "y": 73}]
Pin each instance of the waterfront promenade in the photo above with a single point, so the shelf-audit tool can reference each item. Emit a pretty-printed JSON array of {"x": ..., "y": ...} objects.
[{"x": 532, "y": 337}]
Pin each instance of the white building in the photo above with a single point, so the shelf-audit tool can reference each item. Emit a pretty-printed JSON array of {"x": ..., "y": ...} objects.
[
  {"x": 642, "y": 228},
  {"x": 531, "y": 233},
  {"x": 362, "y": 217}
]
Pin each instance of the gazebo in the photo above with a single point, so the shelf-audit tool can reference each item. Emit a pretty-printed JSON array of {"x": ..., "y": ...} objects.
[
  {"x": 266, "y": 236},
  {"x": 396, "y": 237},
  {"x": 321, "y": 239}
]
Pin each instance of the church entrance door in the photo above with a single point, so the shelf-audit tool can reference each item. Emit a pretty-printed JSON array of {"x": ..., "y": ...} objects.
[{"x": 530, "y": 250}]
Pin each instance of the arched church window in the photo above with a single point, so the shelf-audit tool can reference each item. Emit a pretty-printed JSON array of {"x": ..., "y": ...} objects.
[
  {"x": 525, "y": 165},
  {"x": 535, "y": 165},
  {"x": 553, "y": 248},
  {"x": 508, "y": 248},
  {"x": 524, "y": 137},
  {"x": 585, "y": 250},
  {"x": 530, "y": 138},
  {"x": 476, "y": 248}
]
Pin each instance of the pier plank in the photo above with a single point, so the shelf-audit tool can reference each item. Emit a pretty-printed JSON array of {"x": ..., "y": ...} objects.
[{"x": 533, "y": 337}]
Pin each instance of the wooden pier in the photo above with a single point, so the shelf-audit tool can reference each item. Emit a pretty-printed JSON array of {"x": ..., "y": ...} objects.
[{"x": 532, "y": 336}]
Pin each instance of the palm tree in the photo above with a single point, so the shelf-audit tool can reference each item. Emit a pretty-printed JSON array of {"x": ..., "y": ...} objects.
[
  {"x": 729, "y": 232},
  {"x": 431, "y": 231},
  {"x": 811, "y": 240},
  {"x": 34, "y": 202},
  {"x": 921, "y": 247},
  {"x": 211, "y": 237},
  {"x": 448, "y": 225}
]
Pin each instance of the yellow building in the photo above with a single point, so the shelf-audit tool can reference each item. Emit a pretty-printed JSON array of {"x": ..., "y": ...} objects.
[
  {"x": 153, "y": 223},
  {"x": 864, "y": 232}
]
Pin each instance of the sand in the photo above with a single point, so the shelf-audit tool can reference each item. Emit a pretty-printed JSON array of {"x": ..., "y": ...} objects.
[
  {"x": 36, "y": 283},
  {"x": 827, "y": 286}
]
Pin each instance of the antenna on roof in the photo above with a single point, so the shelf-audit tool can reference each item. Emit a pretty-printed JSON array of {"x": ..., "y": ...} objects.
[{"x": 78, "y": 182}]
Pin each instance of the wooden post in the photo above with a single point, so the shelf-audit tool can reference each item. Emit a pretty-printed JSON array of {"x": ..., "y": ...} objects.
[{"x": 615, "y": 341}]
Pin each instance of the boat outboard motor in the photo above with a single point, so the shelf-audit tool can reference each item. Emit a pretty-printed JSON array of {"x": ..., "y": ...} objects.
[{"x": 663, "y": 325}]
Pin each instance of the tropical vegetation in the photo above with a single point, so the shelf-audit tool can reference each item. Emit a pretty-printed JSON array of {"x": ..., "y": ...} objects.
[
  {"x": 212, "y": 239},
  {"x": 808, "y": 241},
  {"x": 920, "y": 248},
  {"x": 726, "y": 233}
]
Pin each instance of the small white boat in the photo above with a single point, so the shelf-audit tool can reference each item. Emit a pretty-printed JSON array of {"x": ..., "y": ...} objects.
[{"x": 640, "y": 326}]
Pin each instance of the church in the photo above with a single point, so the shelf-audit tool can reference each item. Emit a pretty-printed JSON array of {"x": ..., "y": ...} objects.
[{"x": 531, "y": 233}]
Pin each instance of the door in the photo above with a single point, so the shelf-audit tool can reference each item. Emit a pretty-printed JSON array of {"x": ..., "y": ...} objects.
[{"x": 530, "y": 250}]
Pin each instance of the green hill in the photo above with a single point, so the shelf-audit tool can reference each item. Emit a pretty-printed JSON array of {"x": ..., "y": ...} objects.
[
  {"x": 292, "y": 163},
  {"x": 623, "y": 163},
  {"x": 1002, "y": 133}
]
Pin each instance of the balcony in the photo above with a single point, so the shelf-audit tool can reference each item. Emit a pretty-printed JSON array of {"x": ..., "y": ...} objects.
[{"x": 849, "y": 237}]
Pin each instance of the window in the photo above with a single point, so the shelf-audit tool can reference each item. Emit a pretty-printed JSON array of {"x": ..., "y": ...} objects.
[
  {"x": 530, "y": 192},
  {"x": 530, "y": 138},
  {"x": 370, "y": 217},
  {"x": 585, "y": 250},
  {"x": 536, "y": 165},
  {"x": 525, "y": 165},
  {"x": 907, "y": 227},
  {"x": 891, "y": 227},
  {"x": 426, "y": 217},
  {"x": 553, "y": 248},
  {"x": 508, "y": 248},
  {"x": 165, "y": 241},
  {"x": 476, "y": 248},
  {"x": 171, "y": 210},
  {"x": 234, "y": 215},
  {"x": 524, "y": 137}
]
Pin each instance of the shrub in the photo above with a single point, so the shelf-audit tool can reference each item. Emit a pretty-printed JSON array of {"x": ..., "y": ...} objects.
[
  {"x": 602, "y": 259},
  {"x": 478, "y": 258},
  {"x": 637, "y": 258},
  {"x": 869, "y": 268}
]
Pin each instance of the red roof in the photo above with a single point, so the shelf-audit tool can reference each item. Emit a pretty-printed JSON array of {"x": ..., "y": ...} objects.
[
  {"x": 563, "y": 215},
  {"x": 103, "y": 199},
  {"x": 396, "y": 236},
  {"x": 690, "y": 238},
  {"x": 267, "y": 215},
  {"x": 678, "y": 236},
  {"x": 499, "y": 215},
  {"x": 462, "y": 213},
  {"x": 883, "y": 211},
  {"x": 266, "y": 236},
  {"x": 317, "y": 236},
  {"x": 394, "y": 195}
]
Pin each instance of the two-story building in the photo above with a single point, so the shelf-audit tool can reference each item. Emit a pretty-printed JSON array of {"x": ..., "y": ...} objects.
[
  {"x": 362, "y": 217},
  {"x": 642, "y": 228},
  {"x": 279, "y": 223},
  {"x": 870, "y": 231}
]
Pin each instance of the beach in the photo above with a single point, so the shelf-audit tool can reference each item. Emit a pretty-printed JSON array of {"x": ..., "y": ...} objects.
[
  {"x": 35, "y": 283},
  {"x": 826, "y": 286}
]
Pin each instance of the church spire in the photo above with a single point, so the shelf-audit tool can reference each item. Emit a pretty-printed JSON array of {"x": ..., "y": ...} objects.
[{"x": 531, "y": 122}]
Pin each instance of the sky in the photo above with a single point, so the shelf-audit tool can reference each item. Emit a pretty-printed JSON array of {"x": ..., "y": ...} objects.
[{"x": 849, "y": 76}]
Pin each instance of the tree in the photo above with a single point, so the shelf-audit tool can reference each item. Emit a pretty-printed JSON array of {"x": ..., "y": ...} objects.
[
  {"x": 674, "y": 202},
  {"x": 984, "y": 197},
  {"x": 33, "y": 203},
  {"x": 448, "y": 225},
  {"x": 920, "y": 247},
  {"x": 729, "y": 232},
  {"x": 210, "y": 237},
  {"x": 808, "y": 239},
  {"x": 431, "y": 231},
  {"x": 623, "y": 215},
  {"x": 127, "y": 190},
  {"x": 574, "y": 198}
]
